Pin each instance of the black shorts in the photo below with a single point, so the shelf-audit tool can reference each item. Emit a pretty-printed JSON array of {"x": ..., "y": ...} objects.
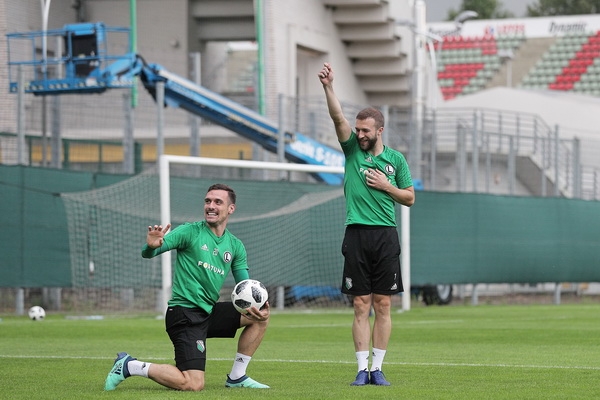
[
  {"x": 371, "y": 261},
  {"x": 189, "y": 328}
]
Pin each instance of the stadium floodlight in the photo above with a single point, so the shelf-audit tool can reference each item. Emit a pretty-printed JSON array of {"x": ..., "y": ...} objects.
[{"x": 464, "y": 16}]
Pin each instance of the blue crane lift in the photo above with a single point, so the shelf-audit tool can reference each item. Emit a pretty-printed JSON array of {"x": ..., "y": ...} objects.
[{"x": 86, "y": 66}]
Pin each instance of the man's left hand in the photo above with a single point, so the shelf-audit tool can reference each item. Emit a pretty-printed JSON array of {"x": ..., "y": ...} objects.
[{"x": 259, "y": 315}]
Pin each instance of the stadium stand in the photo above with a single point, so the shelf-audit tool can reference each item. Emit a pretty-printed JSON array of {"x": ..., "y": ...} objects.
[
  {"x": 572, "y": 63},
  {"x": 467, "y": 64}
]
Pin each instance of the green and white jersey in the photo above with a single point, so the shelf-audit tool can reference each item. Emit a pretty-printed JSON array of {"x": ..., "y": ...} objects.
[
  {"x": 365, "y": 205},
  {"x": 203, "y": 262}
]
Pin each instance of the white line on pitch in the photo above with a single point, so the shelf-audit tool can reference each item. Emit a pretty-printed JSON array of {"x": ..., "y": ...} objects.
[{"x": 582, "y": 367}]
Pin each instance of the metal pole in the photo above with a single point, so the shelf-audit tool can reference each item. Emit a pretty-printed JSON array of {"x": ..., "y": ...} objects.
[
  {"x": 461, "y": 156},
  {"x": 405, "y": 255},
  {"x": 44, "y": 131},
  {"x": 55, "y": 143},
  {"x": 160, "y": 118},
  {"x": 419, "y": 73},
  {"x": 281, "y": 134},
  {"x": 576, "y": 168},
  {"x": 557, "y": 289},
  {"x": 260, "y": 37},
  {"x": 133, "y": 46},
  {"x": 433, "y": 153},
  {"x": 165, "y": 218},
  {"x": 544, "y": 147},
  {"x": 518, "y": 129},
  {"x": 45, "y": 12},
  {"x": 488, "y": 161},
  {"x": 281, "y": 130},
  {"x": 512, "y": 170},
  {"x": 128, "y": 152},
  {"x": 475, "y": 153},
  {"x": 195, "y": 120},
  {"x": 556, "y": 160},
  {"x": 535, "y": 135},
  {"x": 21, "y": 117}
]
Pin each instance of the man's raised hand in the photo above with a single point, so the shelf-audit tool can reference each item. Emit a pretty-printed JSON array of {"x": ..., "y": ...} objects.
[{"x": 155, "y": 235}]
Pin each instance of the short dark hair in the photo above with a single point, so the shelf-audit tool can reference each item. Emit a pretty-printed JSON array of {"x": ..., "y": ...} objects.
[
  {"x": 222, "y": 186},
  {"x": 371, "y": 112}
]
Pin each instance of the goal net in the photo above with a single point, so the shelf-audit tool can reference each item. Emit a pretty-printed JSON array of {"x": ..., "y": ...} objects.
[{"x": 292, "y": 231}]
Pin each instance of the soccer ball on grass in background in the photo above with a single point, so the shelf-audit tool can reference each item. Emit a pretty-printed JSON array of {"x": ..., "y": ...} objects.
[
  {"x": 249, "y": 293},
  {"x": 37, "y": 313}
]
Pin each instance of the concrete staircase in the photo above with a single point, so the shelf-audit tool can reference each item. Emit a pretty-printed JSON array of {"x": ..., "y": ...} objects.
[
  {"x": 365, "y": 26},
  {"x": 369, "y": 32},
  {"x": 523, "y": 60},
  {"x": 218, "y": 20}
]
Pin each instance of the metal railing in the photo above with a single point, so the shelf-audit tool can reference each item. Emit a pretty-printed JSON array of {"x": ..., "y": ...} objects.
[{"x": 464, "y": 150}]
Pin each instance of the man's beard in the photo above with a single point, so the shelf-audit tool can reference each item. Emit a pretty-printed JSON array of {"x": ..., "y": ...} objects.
[{"x": 368, "y": 144}]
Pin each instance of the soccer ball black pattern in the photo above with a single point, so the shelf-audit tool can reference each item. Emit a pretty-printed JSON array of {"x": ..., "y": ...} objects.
[
  {"x": 36, "y": 313},
  {"x": 249, "y": 293}
]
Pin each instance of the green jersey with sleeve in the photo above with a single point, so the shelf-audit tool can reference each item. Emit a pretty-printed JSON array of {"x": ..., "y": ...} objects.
[
  {"x": 365, "y": 205},
  {"x": 203, "y": 262}
]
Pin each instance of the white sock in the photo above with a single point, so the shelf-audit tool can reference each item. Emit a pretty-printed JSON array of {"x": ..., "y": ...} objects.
[
  {"x": 362, "y": 357},
  {"x": 239, "y": 366},
  {"x": 138, "y": 368},
  {"x": 378, "y": 356}
]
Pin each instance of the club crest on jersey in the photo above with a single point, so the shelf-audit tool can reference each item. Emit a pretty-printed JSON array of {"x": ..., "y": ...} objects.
[
  {"x": 227, "y": 257},
  {"x": 389, "y": 169}
]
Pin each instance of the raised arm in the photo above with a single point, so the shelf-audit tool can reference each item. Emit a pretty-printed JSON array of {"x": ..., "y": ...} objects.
[
  {"x": 156, "y": 233},
  {"x": 342, "y": 126},
  {"x": 154, "y": 240}
]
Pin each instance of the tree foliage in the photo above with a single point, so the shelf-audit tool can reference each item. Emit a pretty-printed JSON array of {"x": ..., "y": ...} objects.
[
  {"x": 543, "y": 8},
  {"x": 486, "y": 9}
]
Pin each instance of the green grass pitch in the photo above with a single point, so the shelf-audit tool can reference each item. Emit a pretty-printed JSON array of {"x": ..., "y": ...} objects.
[{"x": 453, "y": 352}]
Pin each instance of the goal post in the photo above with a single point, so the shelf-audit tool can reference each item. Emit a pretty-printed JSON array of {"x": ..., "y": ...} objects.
[{"x": 165, "y": 162}]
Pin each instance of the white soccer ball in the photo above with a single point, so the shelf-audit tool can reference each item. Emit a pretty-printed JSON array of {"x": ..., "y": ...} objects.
[
  {"x": 249, "y": 293},
  {"x": 37, "y": 313}
]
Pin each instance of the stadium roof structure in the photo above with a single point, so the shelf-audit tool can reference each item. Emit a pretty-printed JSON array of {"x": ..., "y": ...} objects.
[{"x": 577, "y": 115}]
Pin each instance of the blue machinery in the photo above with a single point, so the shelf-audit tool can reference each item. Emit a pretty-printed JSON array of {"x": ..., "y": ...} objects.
[{"x": 85, "y": 66}]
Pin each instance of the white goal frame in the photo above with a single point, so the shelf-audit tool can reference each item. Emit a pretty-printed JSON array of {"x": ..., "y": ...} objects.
[{"x": 165, "y": 162}]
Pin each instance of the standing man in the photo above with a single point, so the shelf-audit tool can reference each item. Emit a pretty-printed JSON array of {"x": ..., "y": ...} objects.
[
  {"x": 376, "y": 178},
  {"x": 206, "y": 252}
]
